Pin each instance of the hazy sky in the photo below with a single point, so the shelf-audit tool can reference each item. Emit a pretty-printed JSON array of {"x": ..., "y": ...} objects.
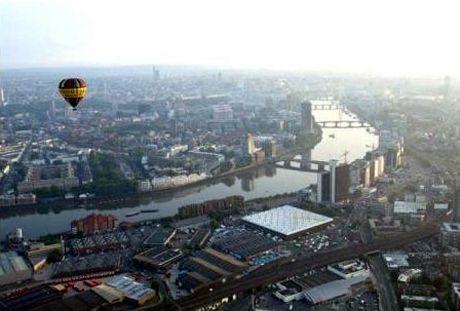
[{"x": 383, "y": 37}]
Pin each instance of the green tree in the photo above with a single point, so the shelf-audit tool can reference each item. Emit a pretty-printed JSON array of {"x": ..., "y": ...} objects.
[{"x": 55, "y": 256}]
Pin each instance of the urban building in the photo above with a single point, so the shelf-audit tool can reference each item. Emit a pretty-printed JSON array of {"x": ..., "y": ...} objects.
[
  {"x": 320, "y": 287},
  {"x": 349, "y": 269},
  {"x": 132, "y": 290},
  {"x": 21, "y": 199},
  {"x": 249, "y": 146},
  {"x": 160, "y": 237},
  {"x": 333, "y": 185},
  {"x": 26, "y": 199},
  {"x": 306, "y": 122},
  {"x": 61, "y": 176},
  {"x": 205, "y": 266},
  {"x": 342, "y": 183},
  {"x": 159, "y": 257},
  {"x": 222, "y": 112},
  {"x": 287, "y": 221},
  {"x": 409, "y": 274},
  {"x": 13, "y": 268},
  {"x": 144, "y": 185},
  {"x": 155, "y": 74},
  {"x": 199, "y": 238},
  {"x": 396, "y": 261},
  {"x": 2, "y": 97},
  {"x": 450, "y": 234},
  {"x": 94, "y": 223},
  {"x": 271, "y": 148},
  {"x": 222, "y": 205},
  {"x": 244, "y": 245},
  {"x": 405, "y": 207}
]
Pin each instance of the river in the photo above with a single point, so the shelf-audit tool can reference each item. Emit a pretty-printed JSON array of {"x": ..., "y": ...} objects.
[{"x": 257, "y": 183}]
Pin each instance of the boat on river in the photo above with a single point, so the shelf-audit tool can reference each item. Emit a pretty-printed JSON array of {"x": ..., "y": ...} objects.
[{"x": 133, "y": 214}]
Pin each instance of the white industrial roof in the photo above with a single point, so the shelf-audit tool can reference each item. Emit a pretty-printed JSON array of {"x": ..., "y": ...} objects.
[
  {"x": 396, "y": 260},
  {"x": 130, "y": 288},
  {"x": 287, "y": 219},
  {"x": 404, "y": 207},
  {"x": 441, "y": 206},
  {"x": 327, "y": 291},
  {"x": 451, "y": 226},
  {"x": 11, "y": 262}
]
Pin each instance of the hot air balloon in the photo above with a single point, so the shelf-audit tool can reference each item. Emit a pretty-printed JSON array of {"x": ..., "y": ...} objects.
[{"x": 73, "y": 90}]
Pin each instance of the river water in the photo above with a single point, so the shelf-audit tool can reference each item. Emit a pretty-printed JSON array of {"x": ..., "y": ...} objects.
[{"x": 259, "y": 183}]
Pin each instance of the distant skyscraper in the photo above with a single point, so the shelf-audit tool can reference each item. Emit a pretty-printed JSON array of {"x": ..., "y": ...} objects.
[
  {"x": 249, "y": 145},
  {"x": 52, "y": 109},
  {"x": 306, "y": 116},
  {"x": 333, "y": 185},
  {"x": 156, "y": 74},
  {"x": 269, "y": 147},
  {"x": 2, "y": 97}
]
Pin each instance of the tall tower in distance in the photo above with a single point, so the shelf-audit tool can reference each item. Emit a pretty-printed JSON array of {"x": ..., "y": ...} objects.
[
  {"x": 52, "y": 109},
  {"x": 155, "y": 74},
  {"x": 2, "y": 96},
  {"x": 249, "y": 146},
  {"x": 306, "y": 122}
]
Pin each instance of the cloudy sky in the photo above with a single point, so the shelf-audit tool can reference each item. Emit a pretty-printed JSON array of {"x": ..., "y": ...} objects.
[{"x": 383, "y": 37}]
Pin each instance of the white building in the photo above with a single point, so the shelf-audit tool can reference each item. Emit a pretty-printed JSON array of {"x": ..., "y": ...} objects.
[
  {"x": 408, "y": 275},
  {"x": 287, "y": 221},
  {"x": 131, "y": 289},
  {"x": 404, "y": 207},
  {"x": 349, "y": 269},
  {"x": 396, "y": 260},
  {"x": 176, "y": 149}
]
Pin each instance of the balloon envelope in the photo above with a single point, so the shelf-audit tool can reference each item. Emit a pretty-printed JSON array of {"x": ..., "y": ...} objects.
[{"x": 73, "y": 90}]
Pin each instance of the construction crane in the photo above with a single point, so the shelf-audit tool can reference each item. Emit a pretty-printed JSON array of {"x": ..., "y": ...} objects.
[{"x": 344, "y": 156}]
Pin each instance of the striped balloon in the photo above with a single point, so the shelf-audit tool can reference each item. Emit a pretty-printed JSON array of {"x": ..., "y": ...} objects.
[{"x": 73, "y": 90}]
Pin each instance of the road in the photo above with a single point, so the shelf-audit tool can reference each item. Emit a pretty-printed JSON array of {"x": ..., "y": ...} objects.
[
  {"x": 205, "y": 296},
  {"x": 387, "y": 295}
]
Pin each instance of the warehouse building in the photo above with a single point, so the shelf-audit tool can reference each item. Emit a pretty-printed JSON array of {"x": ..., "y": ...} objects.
[
  {"x": 13, "y": 268},
  {"x": 287, "y": 221},
  {"x": 322, "y": 286},
  {"x": 132, "y": 290},
  {"x": 244, "y": 245},
  {"x": 206, "y": 266},
  {"x": 160, "y": 237},
  {"x": 159, "y": 256}
]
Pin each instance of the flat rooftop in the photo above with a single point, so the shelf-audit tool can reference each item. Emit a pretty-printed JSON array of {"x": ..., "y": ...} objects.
[
  {"x": 451, "y": 226},
  {"x": 287, "y": 220},
  {"x": 11, "y": 262}
]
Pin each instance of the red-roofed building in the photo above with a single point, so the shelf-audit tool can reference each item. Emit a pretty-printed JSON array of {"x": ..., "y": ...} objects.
[{"x": 94, "y": 223}]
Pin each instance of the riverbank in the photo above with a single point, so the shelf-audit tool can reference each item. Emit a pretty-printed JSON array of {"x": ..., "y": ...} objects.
[{"x": 134, "y": 198}]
